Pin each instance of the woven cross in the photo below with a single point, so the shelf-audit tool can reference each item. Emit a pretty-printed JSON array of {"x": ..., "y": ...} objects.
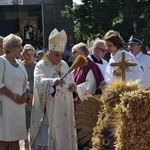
[{"x": 123, "y": 65}]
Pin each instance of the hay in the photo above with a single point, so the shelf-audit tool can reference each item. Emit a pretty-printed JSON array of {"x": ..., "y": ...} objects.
[
  {"x": 134, "y": 130},
  {"x": 86, "y": 118},
  {"x": 79, "y": 62},
  {"x": 110, "y": 118}
]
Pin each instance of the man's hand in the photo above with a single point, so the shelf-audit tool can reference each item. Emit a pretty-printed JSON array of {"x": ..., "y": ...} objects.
[{"x": 58, "y": 82}]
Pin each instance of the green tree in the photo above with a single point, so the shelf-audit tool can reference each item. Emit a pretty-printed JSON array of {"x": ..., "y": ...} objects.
[
  {"x": 93, "y": 18},
  {"x": 146, "y": 30}
]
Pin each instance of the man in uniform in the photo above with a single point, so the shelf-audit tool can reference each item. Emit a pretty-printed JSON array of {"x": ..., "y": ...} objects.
[{"x": 134, "y": 46}]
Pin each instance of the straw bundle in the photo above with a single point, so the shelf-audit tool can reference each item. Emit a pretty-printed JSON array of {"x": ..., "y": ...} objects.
[
  {"x": 86, "y": 118},
  {"x": 133, "y": 132},
  {"x": 104, "y": 135},
  {"x": 79, "y": 62}
]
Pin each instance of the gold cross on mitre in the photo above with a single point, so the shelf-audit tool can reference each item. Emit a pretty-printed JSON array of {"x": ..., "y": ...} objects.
[{"x": 123, "y": 65}]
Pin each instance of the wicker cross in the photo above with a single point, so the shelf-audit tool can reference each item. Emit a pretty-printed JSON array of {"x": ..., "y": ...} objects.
[{"x": 123, "y": 65}]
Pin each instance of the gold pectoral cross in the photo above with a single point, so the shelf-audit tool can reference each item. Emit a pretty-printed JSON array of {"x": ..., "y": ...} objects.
[
  {"x": 123, "y": 65},
  {"x": 58, "y": 71}
]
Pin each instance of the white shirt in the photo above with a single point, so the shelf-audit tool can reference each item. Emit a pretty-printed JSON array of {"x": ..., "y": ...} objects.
[
  {"x": 144, "y": 62},
  {"x": 134, "y": 73}
]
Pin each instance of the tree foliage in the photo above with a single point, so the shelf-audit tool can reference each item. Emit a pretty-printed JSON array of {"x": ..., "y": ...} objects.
[
  {"x": 93, "y": 18},
  {"x": 146, "y": 29}
]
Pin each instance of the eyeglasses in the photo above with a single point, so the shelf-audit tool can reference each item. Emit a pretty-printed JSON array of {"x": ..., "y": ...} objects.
[
  {"x": 57, "y": 55},
  {"x": 103, "y": 50},
  {"x": 18, "y": 46},
  {"x": 75, "y": 52}
]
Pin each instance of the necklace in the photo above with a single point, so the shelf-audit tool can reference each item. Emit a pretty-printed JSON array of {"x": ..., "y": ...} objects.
[{"x": 12, "y": 63}]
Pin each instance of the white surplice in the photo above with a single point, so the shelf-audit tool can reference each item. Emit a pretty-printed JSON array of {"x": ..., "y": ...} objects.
[{"x": 134, "y": 73}]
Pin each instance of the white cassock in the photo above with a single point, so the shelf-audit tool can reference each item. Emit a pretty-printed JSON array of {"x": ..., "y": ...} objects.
[
  {"x": 56, "y": 112},
  {"x": 144, "y": 62},
  {"x": 134, "y": 73}
]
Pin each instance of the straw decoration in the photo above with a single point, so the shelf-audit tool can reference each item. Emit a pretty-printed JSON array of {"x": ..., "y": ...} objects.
[
  {"x": 86, "y": 118},
  {"x": 124, "y": 123},
  {"x": 79, "y": 62}
]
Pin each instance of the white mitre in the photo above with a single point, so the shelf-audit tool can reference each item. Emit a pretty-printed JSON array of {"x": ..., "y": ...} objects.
[{"x": 57, "y": 40}]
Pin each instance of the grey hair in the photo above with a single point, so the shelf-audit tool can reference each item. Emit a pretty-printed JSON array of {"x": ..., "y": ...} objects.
[
  {"x": 28, "y": 47},
  {"x": 41, "y": 53},
  {"x": 1, "y": 38},
  {"x": 10, "y": 41},
  {"x": 80, "y": 47},
  {"x": 97, "y": 42}
]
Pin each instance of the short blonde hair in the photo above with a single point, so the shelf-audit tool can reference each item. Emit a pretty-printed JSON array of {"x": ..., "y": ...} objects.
[
  {"x": 10, "y": 41},
  {"x": 28, "y": 47}
]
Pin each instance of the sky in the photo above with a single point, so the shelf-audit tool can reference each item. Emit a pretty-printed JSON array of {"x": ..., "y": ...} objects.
[{"x": 77, "y": 1}]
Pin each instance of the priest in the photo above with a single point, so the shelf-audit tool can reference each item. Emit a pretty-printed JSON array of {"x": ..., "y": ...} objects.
[{"x": 52, "y": 118}]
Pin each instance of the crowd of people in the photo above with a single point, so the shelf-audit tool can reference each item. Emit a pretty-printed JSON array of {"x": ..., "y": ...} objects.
[{"x": 37, "y": 96}]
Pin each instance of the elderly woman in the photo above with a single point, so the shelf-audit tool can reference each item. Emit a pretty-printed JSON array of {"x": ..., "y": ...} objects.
[
  {"x": 1, "y": 45},
  {"x": 89, "y": 77},
  {"x": 13, "y": 94},
  {"x": 28, "y": 53}
]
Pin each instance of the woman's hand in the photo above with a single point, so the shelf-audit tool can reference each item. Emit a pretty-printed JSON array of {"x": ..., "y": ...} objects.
[
  {"x": 22, "y": 99},
  {"x": 17, "y": 99},
  {"x": 117, "y": 72}
]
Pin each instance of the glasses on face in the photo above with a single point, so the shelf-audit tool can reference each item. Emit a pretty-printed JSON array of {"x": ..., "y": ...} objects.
[
  {"x": 75, "y": 52},
  {"x": 18, "y": 46},
  {"x": 103, "y": 50},
  {"x": 57, "y": 54}
]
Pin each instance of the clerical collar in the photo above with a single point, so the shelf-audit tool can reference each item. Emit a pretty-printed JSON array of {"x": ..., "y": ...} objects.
[{"x": 96, "y": 60}]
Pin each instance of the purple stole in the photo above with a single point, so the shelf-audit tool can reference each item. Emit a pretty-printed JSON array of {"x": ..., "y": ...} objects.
[{"x": 80, "y": 74}]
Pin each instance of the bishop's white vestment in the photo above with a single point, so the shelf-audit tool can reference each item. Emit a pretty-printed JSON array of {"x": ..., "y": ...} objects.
[{"x": 55, "y": 104}]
